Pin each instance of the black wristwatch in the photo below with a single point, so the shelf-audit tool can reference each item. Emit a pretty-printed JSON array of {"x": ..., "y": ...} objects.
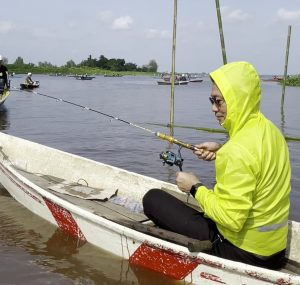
[{"x": 194, "y": 189}]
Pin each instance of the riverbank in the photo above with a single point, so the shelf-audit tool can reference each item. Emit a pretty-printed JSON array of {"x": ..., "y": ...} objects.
[
  {"x": 292, "y": 80},
  {"x": 24, "y": 69}
]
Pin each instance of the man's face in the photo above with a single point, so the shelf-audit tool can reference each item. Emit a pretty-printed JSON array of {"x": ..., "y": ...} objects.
[{"x": 219, "y": 106}]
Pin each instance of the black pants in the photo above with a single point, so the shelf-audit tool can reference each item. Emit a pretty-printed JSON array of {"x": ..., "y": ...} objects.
[{"x": 171, "y": 214}]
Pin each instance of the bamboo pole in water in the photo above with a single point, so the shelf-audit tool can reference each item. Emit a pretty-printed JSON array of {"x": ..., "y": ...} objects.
[
  {"x": 221, "y": 32},
  {"x": 173, "y": 68},
  {"x": 286, "y": 65}
]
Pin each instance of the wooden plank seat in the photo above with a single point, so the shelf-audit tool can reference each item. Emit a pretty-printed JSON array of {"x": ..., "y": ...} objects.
[
  {"x": 193, "y": 245},
  {"x": 118, "y": 214}
]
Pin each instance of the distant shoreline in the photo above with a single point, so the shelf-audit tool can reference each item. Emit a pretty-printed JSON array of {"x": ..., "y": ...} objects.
[
  {"x": 71, "y": 70},
  {"x": 293, "y": 80}
]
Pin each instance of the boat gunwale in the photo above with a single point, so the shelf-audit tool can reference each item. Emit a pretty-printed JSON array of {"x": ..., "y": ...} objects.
[
  {"x": 200, "y": 257},
  {"x": 182, "y": 251}
]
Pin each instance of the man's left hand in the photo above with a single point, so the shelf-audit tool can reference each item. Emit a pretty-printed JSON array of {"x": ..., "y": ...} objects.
[{"x": 185, "y": 181}]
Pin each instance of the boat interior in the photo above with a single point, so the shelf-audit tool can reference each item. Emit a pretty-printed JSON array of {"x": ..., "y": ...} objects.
[{"x": 126, "y": 217}]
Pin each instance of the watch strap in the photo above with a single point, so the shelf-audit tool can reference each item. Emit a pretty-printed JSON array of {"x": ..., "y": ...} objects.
[{"x": 194, "y": 189}]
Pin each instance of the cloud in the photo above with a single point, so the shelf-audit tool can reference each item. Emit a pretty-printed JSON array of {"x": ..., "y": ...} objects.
[
  {"x": 200, "y": 25},
  {"x": 105, "y": 16},
  {"x": 72, "y": 25},
  {"x": 286, "y": 15},
  {"x": 160, "y": 34},
  {"x": 236, "y": 15},
  {"x": 5, "y": 27},
  {"x": 122, "y": 23}
]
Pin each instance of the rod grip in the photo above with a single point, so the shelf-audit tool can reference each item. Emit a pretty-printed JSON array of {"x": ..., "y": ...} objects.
[{"x": 175, "y": 141}]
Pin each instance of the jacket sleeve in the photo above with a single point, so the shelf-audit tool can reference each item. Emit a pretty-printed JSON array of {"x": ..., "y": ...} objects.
[{"x": 231, "y": 199}]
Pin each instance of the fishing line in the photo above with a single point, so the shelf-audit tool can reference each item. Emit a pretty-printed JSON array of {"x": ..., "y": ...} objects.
[{"x": 157, "y": 134}]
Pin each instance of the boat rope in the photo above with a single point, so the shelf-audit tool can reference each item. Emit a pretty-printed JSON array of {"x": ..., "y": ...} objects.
[{"x": 157, "y": 134}]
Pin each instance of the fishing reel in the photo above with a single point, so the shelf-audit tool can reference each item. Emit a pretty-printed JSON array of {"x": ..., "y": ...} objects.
[{"x": 171, "y": 158}]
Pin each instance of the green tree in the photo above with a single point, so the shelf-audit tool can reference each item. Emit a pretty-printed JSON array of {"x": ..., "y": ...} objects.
[
  {"x": 116, "y": 64},
  {"x": 152, "y": 66},
  {"x": 130, "y": 66},
  {"x": 103, "y": 62},
  {"x": 45, "y": 64},
  {"x": 90, "y": 62},
  {"x": 70, "y": 63},
  {"x": 19, "y": 61}
]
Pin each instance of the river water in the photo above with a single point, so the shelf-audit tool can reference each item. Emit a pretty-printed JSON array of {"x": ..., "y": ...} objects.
[{"x": 34, "y": 252}]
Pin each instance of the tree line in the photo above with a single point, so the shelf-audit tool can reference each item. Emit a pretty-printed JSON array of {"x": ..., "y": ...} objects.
[{"x": 103, "y": 63}]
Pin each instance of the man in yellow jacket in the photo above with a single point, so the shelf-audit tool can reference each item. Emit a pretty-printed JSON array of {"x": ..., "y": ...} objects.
[{"x": 246, "y": 214}]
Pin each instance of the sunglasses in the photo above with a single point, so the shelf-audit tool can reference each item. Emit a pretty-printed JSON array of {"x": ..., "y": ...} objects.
[{"x": 217, "y": 102}]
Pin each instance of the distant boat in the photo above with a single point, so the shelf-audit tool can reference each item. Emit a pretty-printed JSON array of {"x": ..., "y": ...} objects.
[
  {"x": 177, "y": 82},
  {"x": 274, "y": 79},
  {"x": 195, "y": 80},
  {"x": 85, "y": 77},
  {"x": 35, "y": 84},
  {"x": 195, "y": 77}
]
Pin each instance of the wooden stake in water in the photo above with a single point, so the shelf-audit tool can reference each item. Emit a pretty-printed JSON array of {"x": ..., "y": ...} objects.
[
  {"x": 173, "y": 67},
  {"x": 221, "y": 32},
  {"x": 286, "y": 65}
]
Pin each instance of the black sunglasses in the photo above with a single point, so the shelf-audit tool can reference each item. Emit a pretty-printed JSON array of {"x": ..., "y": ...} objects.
[{"x": 217, "y": 102}]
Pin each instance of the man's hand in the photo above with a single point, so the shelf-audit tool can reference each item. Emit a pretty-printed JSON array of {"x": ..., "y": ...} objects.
[
  {"x": 207, "y": 151},
  {"x": 185, "y": 181}
]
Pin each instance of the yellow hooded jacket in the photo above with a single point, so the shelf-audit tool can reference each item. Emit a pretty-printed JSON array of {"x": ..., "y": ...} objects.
[{"x": 250, "y": 201}]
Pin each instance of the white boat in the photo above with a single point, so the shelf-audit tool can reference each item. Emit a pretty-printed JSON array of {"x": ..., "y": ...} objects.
[
  {"x": 80, "y": 195},
  {"x": 195, "y": 79},
  {"x": 35, "y": 84},
  {"x": 176, "y": 82},
  {"x": 3, "y": 96}
]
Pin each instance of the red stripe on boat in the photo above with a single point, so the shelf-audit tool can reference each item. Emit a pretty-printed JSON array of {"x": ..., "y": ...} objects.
[
  {"x": 170, "y": 264},
  {"x": 65, "y": 220},
  {"x": 211, "y": 277}
]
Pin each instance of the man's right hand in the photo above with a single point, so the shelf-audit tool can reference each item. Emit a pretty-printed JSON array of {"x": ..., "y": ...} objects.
[{"x": 207, "y": 151}]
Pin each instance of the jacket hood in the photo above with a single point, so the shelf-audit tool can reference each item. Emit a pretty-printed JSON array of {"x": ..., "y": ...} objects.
[{"x": 239, "y": 84}]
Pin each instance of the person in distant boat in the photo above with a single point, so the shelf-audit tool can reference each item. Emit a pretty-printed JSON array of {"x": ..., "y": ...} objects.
[
  {"x": 245, "y": 215},
  {"x": 4, "y": 77},
  {"x": 28, "y": 79},
  {"x": 183, "y": 77}
]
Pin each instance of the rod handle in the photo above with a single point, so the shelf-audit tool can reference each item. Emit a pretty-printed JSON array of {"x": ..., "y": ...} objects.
[{"x": 175, "y": 141}]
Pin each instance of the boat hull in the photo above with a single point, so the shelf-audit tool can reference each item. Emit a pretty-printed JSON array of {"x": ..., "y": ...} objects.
[
  {"x": 85, "y": 77},
  {"x": 173, "y": 260},
  {"x": 34, "y": 85},
  {"x": 162, "y": 82},
  {"x": 195, "y": 80},
  {"x": 3, "y": 96}
]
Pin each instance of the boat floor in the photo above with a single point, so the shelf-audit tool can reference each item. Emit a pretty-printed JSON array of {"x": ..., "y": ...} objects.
[{"x": 137, "y": 221}]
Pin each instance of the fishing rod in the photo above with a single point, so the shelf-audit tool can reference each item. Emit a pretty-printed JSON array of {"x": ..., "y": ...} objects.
[{"x": 168, "y": 157}]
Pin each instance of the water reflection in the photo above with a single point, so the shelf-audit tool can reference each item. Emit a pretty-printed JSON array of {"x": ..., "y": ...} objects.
[
  {"x": 4, "y": 118},
  {"x": 59, "y": 254}
]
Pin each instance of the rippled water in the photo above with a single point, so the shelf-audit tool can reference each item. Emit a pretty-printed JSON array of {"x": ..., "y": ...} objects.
[{"x": 33, "y": 251}]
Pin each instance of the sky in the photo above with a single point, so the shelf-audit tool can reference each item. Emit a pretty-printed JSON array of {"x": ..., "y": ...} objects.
[{"x": 138, "y": 31}]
